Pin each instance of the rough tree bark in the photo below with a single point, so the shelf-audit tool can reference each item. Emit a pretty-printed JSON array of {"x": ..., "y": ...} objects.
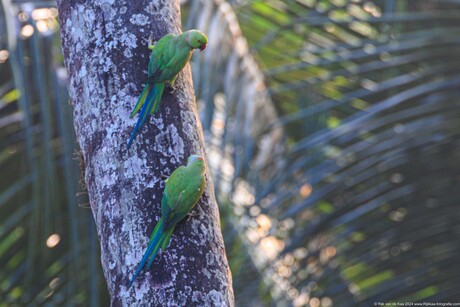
[{"x": 106, "y": 56}]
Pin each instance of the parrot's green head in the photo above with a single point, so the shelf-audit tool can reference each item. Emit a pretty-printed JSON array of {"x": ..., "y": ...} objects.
[
  {"x": 196, "y": 39},
  {"x": 196, "y": 161},
  {"x": 193, "y": 158}
]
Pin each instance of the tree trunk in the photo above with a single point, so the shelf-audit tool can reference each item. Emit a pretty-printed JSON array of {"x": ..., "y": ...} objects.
[{"x": 106, "y": 56}]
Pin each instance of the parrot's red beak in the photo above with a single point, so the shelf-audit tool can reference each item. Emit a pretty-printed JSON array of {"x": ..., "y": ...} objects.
[{"x": 202, "y": 47}]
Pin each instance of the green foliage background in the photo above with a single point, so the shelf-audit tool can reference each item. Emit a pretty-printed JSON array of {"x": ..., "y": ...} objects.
[{"x": 357, "y": 201}]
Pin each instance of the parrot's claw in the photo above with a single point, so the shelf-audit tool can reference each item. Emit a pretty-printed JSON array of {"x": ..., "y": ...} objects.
[
  {"x": 151, "y": 42},
  {"x": 192, "y": 214},
  {"x": 173, "y": 87}
]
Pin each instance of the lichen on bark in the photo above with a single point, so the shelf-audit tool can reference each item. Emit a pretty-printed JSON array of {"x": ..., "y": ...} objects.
[{"x": 106, "y": 56}]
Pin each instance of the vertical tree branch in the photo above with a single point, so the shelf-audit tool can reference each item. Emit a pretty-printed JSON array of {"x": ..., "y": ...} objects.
[{"x": 106, "y": 57}]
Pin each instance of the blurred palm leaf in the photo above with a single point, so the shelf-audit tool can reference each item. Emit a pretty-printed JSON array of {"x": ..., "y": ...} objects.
[
  {"x": 346, "y": 196},
  {"x": 359, "y": 206},
  {"x": 48, "y": 251},
  {"x": 234, "y": 113}
]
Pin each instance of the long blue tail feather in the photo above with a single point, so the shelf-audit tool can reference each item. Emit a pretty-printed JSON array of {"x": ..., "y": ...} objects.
[
  {"x": 154, "y": 254},
  {"x": 140, "y": 101},
  {"x": 143, "y": 114},
  {"x": 159, "y": 87},
  {"x": 152, "y": 249},
  {"x": 163, "y": 244}
]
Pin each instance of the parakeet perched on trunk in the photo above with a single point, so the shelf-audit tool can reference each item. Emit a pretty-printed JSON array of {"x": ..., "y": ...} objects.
[
  {"x": 169, "y": 56},
  {"x": 183, "y": 189}
]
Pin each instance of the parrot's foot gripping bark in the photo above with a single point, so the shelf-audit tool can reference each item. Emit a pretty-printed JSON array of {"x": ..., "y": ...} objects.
[
  {"x": 172, "y": 85},
  {"x": 151, "y": 42},
  {"x": 192, "y": 215}
]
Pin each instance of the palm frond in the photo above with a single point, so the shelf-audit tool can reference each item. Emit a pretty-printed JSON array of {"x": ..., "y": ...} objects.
[
  {"x": 45, "y": 243},
  {"x": 235, "y": 107},
  {"x": 365, "y": 195}
]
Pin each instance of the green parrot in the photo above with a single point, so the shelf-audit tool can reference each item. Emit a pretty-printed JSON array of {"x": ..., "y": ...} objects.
[
  {"x": 183, "y": 189},
  {"x": 169, "y": 56}
]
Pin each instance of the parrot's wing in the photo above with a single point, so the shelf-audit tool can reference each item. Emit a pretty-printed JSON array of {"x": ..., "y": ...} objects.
[
  {"x": 171, "y": 192},
  {"x": 167, "y": 60},
  {"x": 174, "y": 215},
  {"x": 159, "y": 58},
  {"x": 175, "y": 182}
]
